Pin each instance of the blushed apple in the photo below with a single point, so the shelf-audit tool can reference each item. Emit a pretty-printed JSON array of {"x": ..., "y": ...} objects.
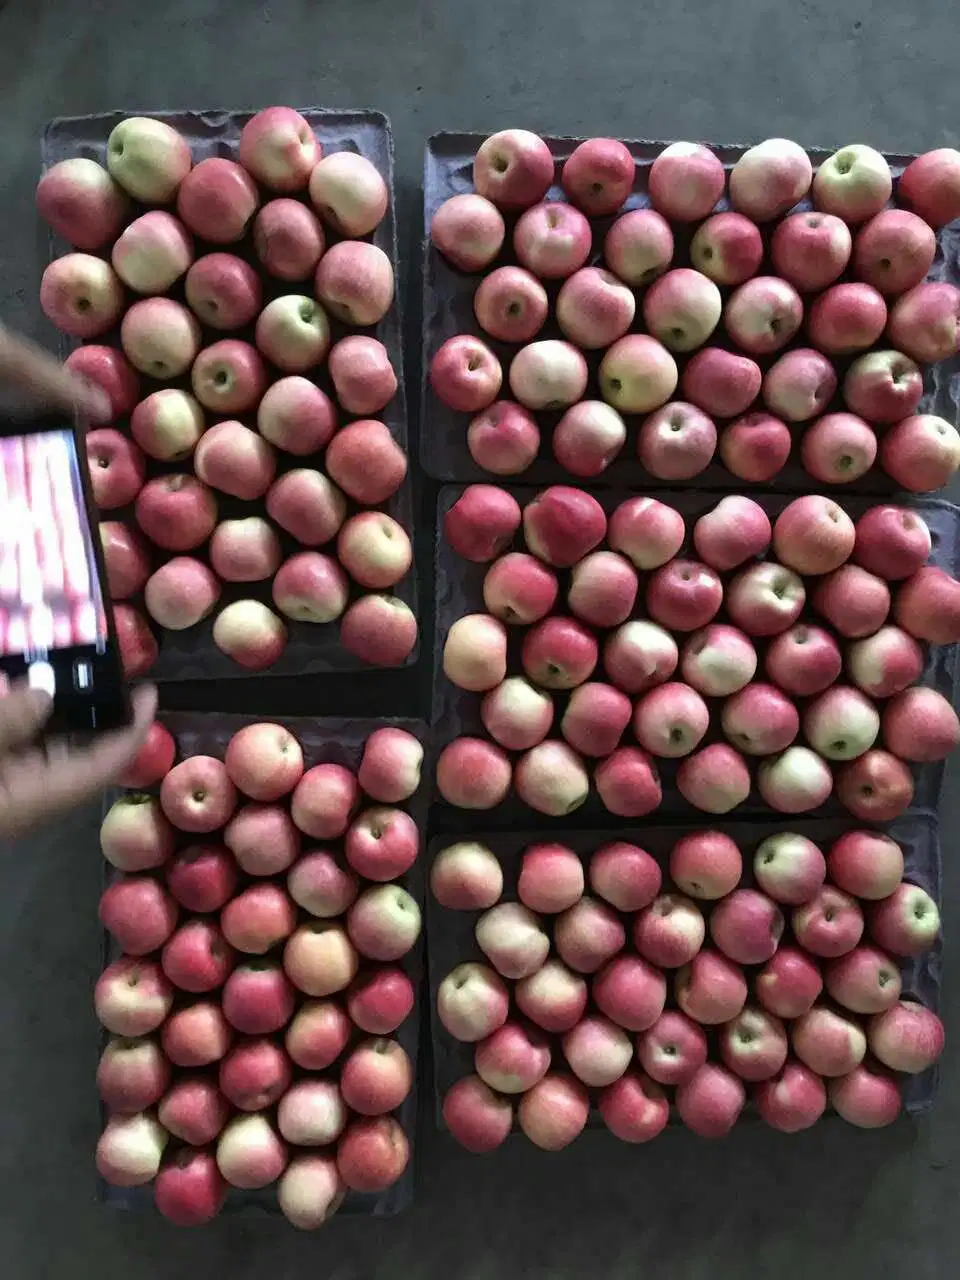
[
  {"x": 894, "y": 251},
  {"x": 349, "y": 193},
  {"x": 639, "y": 246},
  {"x": 727, "y": 248},
  {"x": 598, "y": 175},
  {"x": 223, "y": 290},
  {"x": 811, "y": 249},
  {"x": 468, "y": 230}
]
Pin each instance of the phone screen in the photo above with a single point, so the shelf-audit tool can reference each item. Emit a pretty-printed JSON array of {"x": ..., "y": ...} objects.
[{"x": 54, "y": 626}]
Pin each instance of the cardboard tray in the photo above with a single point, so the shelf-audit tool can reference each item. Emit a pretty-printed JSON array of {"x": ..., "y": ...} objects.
[
  {"x": 450, "y": 934},
  {"x": 448, "y": 310},
  {"x": 459, "y": 591},
  {"x": 311, "y": 648},
  {"x": 323, "y": 740}
]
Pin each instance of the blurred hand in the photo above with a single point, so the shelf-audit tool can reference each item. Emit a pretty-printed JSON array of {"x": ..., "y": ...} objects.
[
  {"x": 42, "y": 379},
  {"x": 40, "y": 781}
]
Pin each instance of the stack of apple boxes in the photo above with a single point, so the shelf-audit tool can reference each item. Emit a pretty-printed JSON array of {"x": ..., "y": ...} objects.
[{"x": 646, "y": 906}]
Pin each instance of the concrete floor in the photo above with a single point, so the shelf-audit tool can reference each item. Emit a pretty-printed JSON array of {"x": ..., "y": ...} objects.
[{"x": 832, "y": 1201}]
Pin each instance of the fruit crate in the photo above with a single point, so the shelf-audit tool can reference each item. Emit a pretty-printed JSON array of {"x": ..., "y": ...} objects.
[
  {"x": 311, "y": 648},
  {"x": 451, "y": 941},
  {"x": 324, "y": 740},
  {"x": 456, "y": 712},
  {"x": 448, "y": 310}
]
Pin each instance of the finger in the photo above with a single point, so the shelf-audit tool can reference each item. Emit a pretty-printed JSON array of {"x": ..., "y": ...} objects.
[
  {"x": 23, "y": 713},
  {"x": 44, "y": 379}
]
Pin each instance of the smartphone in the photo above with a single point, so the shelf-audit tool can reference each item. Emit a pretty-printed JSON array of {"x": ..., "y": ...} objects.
[{"x": 56, "y": 630}]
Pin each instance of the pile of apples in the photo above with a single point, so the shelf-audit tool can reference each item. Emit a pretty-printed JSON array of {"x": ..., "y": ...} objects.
[
  {"x": 834, "y": 613},
  {"x": 760, "y": 315},
  {"x": 261, "y": 981},
  {"x": 564, "y": 1014},
  {"x": 225, "y": 446}
]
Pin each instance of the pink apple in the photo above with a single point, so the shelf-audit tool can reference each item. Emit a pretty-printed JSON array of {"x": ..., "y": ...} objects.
[
  {"x": 673, "y": 1049},
  {"x": 676, "y": 442},
  {"x": 625, "y": 875},
  {"x": 670, "y": 721},
  {"x": 197, "y": 794},
  {"x": 466, "y": 877},
  {"x": 670, "y": 931},
  {"x": 789, "y": 983},
  {"x": 82, "y": 203},
  {"x": 550, "y": 878},
  {"x": 598, "y": 175},
  {"x": 866, "y": 864},
  {"x": 765, "y": 599},
  {"x": 735, "y": 530},
  {"x": 629, "y": 992},
  {"x": 841, "y": 724},
  {"x": 349, "y": 193},
  {"x": 319, "y": 958},
  {"x": 167, "y": 424},
  {"x": 830, "y": 924},
  {"x": 638, "y": 374},
  {"x": 152, "y": 253},
  {"x": 306, "y": 504},
  {"x": 263, "y": 839},
  {"x": 317, "y": 1035},
  {"x": 838, "y": 448},
  {"x": 465, "y": 374},
  {"x": 594, "y": 308},
  {"x": 293, "y": 332},
  {"x": 181, "y": 593},
  {"x": 513, "y": 1058},
  {"x": 138, "y": 913},
  {"x": 516, "y": 714},
  {"x": 552, "y": 240},
  {"x": 319, "y": 882},
  {"x": 505, "y": 439},
  {"x": 639, "y": 246},
  {"x": 223, "y": 291},
  {"x": 755, "y": 447},
  {"x": 640, "y": 655},
  {"x": 721, "y": 383},
  {"x": 719, "y": 660},
  {"x": 793, "y": 1100},
  {"x": 482, "y": 522},
  {"x": 685, "y": 181},
  {"x": 803, "y": 660},
  {"x": 894, "y": 251},
  {"x": 468, "y": 230},
  {"x": 132, "y": 997},
  {"x": 854, "y": 601},
  {"x": 363, "y": 377},
  {"x": 866, "y": 1098},
  {"x": 228, "y": 377},
  {"x": 554, "y": 1112},
  {"x": 513, "y": 168},
  {"x": 919, "y": 724},
  {"x": 811, "y": 249},
  {"x": 883, "y": 386},
  {"x": 715, "y": 779},
  {"x": 603, "y": 589},
  {"x": 312, "y": 1113},
  {"x": 246, "y": 550},
  {"x": 865, "y": 980},
  {"x": 928, "y": 606},
  {"x": 892, "y": 542},
  {"x": 727, "y": 248},
  {"x": 587, "y": 935},
  {"x": 706, "y": 864},
  {"x": 921, "y": 453},
  {"x": 250, "y": 633},
  {"x": 110, "y": 370},
  {"x": 475, "y": 652},
  {"x": 795, "y": 781},
  {"x": 376, "y": 1077},
  {"x": 511, "y": 304},
  {"x": 829, "y": 1043},
  {"x": 372, "y": 1153},
  {"x": 288, "y": 239},
  {"x": 130, "y": 1150},
  {"x": 125, "y": 557},
  {"x": 478, "y": 1118},
  {"x": 354, "y": 282},
  {"x": 634, "y": 1108},
  {"x": 311, "y": 587},
  {"x": 597, "y": 1051},
  {"x": 296, "y": 416},
  {"x": 380, "y": 999},
  {"x": 683, "y": 595},
  {"x": 258, "y": 919},
  {"x": 81, "y": 295},
  {"x": 931, "y": 185},
  {"x": 682, "y": 308},
  {"x": 196, "y": 1035},
  {"x": 324, "y": 800},
  {"x": 254, "y": 1074},
  {"x": 754, "y": 1045},
  {"x": 249, "y": 1153},
  {"x": 789, "y": 867},
  {"x": 202, "y": 877},
  {"x": 548, "y": 375},
  {"x": 132, "y": 1075},
  {"x": 366, "y": 462},
  {"x": 907, "y": 922},
  {"x": 519, "y": 589},
  {"x": 876, "y": 787},
  {"x": 595, "y": 719},
  {"x": 763, "y": 315},
  {"x": 374, "y": 549},
  {"x": 907, "y": 1037},
  {"x": 554, "y": 997},
  {"x": 176, "y": 511},
  {"x": 561, "y": 525},
  {"x": 925, "y": 322},
  {"x": 513, "y": 940},
  {"x": 769, "y": 179},
  {"x": 760, "y": 720},
  {"x": 390, "y": 767},
  {"x": 747, "y": 926},
  {"x": 382, "y": 843},
  {"x": 648, "y": 532},
  {"x": 137, "y": 643},
  {"x": 551, "y": 778},
  {"x": 800, "y": 385},
  {"x": 847, "y": 318},
  {"x": 194, "y": 1110},
  {"x": 189, "y": 1190},
  {"x": 473, "y": 774},
  {"x": 710, "y": 989},
  {"x": 217, "y": 200},
  {"x": 628, "y": 783}
]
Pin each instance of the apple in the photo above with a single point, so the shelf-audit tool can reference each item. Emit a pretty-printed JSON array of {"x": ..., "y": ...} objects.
[
  {"x": 595, "y": 719},
  {"x": 354, "y": 282},
  {"x": 795, "y": 781},
  {"x": 676, "y": 442},
  {"x": 380, "y": 999},
  {"x": 475, "y": 652},
  {"x": 594, "y": 308},
  {"x": 153, "y": 252},
  {"x": 312, "y": 1113},
  {"x": 891, "y": 542},
  {"x": 854, "y": 183},
  {"x": 81, "y": 295},
  {"x": 263, "y": 839},
  {"x": 906, "y": 1037},
  {"x": 598, "y": 176},
  {"x": 710, "y": 989},
  {"x": 390, "y": 766},
  {"x": 257, "y": 998},
  {"x": 715, "y": 779},
  {"x": 928, "y": 606},
  {"x": 82, "y": 203},
  {"x": 320, "y": 884},
  {"x": 883, "y": 386},
  {"x": 196, "y": 1035},
  {"x": 512, "y": 940},
  {"x": 685, "y": 181},
  {"x": 473, "y": 774},
  {"x": 866, "y": 1098},
  {"x": 925, "y": 322},
  {"x": 799, "y": 385},
  {"x": 548, "y": 375},
  {"x": 513, "y": 168},
  {"x": 482, "y": 522},
  {"x": 828, "y": 1042},
  {"x": 721, "y": 383},
  {"x": 382, "y": 843},
  {"x": 511, "y": 304},
  {"x": 374, "y": 549},
  {"x": 789, "y": 983},
  {"x": 603, "y": 589},
  {"x": 554, "y": 997},
  {"x": 288, "y": 239},
  {"x": 349, "y": 193},
  {"x": 293, "y": 332},
  {"x": 628, "y": 783},
  {"x": 160, "y": 338},
  {"x": 254, "y": 1074},
  {"x": 246, "y": 550},
  {"x": 296, "y": 416},
  {"x": 519, "y": 589},
  {"x": 310, "y": 1191},
  {"x": 629, "y": 992},
  {"x": 648, "y": 532},
  {"x": 588, "y": 934},
  {"x": 109, "y": 369},
  {"x": 554, "y": 1112},
  {"x": 727, "y": 248},
  {"x": 793, "y": 1100},
  {"x": 719, "y": 660},
  {"x": 376, "y": 1077},
  {"x": 755, "y": 447},
  {"x": 176, "y": 511},
  {"x": 372, "y": 1153},
  {"x": 476, "y": 1116},
  {"x": 132, "y": 1075},
  {"x": 765, "y": 599},
  {"x": 763, "y": 315},
  {"x": 640, "y": 655},
  {"x": 735, "y": 530},
  {"x": 706, "y": 864},
  {"x": 551, "y": 778},
  {"x": 550, "y": 878},
  {"x": 202, "y": 877},
  {"x": 217, "y": 200},
  {"x": 634, "y": 1108},
  {"x": 597, "y": 1051},
  {"x": 138, "y": 913},
  {"x": 249, "y": 1153},
  {"x": 921, "y": 453},
  {"x": 135, "y": 835},
  {"x": 854, "y": 601},
  {"x": 894, "y": 251},
  {"x": 516, "y": 714},
  {"x": 513, "y": 1058},
  {"x": 847, "y": 318},
  {"x": 317, "y": 1035},
  {"x": 747, "y": 926},
  {"x": 197, "y": 957},
  {"x": 673, "y": 1049},
  {"x": 639, "y": 246},
  {"x": 769, "y": 179},
  {"x": 148, "y": 158},
  {"x": 223, "y": 290},
  {"x": 830, "y": 924},
  {"x": 168, "y": 424},
  {"x": 306, "y": 504},
  {"x": 670, "y": 721},
  {"x": 278, "y": 148},
  {"x": 197, "y": 794},
  {"x": 682, "y": 308},
  {"x": 384, "y": 922},
  {"x": 670, "y": 931},
  {"x": 789, "y": 868},
  {"x": 865, "y": 980},
  {"x": 552, "y": 240},
  {"x": 468, "y": 230},
  {"x": 194, "y": 1110},
  {"x": 931, "y": 186},
  {"x": 841, "y": 724},
  {"x": 505, "y": 439},
  {"x": 754, "y": 1045},
  {"x": 311, "y": 588},
  {"x": 866, "y": 864},
  {"x": 906, "y": 922},
  {"x": 803, "y": 660},
  {"x": 324, "y": 800},
  {"x": 137, "y": 643},
  {"x": 562, "y": 525},
  {"x": 181, "y": 593},
  {"x": 684, "y": 595},
  {"x": 760, "y": 720},
  {"x": 363, "y": 377},
  {"x": 130, "y": 1149},
  {"x": 876, "y": 787},
  {"x": 811, "y": 249},
  {"x": 258, "y": 918},
  {"x": 625, "y": 875},
  {"x": 132, "y": 997},
  {"x": 472, "y": 1002},
  {"x": 838, "y": 448},
  {"x": 919, "y": 724},
  {"x": 466, "y": 375},
  {"x": 637, "y": 374}
]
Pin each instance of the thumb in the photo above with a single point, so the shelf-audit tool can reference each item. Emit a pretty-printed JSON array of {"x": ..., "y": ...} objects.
[{"x": 23, "y": 713}]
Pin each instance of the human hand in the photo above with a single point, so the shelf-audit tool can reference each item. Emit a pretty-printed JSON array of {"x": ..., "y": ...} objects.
[
  {"x": 40, "y": 781},
  {"x": 44, "y": 380}
]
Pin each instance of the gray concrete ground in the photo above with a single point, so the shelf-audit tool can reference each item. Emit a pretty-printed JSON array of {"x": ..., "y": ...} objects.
[{"x": 832, "y": 1201}]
